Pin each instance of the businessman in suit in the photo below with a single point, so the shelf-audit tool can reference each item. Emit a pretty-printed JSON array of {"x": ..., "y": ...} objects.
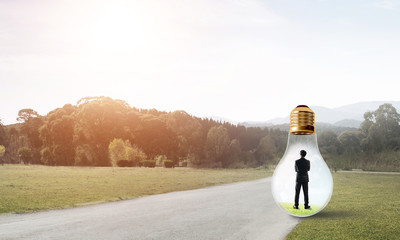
[{"x": 302, "y": 166}]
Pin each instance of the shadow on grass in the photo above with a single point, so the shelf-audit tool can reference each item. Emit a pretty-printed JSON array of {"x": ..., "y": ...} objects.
[{"x": 334, "y": 214}]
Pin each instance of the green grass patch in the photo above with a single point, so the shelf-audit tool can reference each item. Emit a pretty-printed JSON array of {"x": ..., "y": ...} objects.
[
  {"x": 363, "y": 206},
  {"x": 34, "y": 188},
  {"x": 301, "y": 212}
]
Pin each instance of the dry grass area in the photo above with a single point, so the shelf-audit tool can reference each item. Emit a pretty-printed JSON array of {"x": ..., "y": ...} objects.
[{"x": 35, "y": 188}]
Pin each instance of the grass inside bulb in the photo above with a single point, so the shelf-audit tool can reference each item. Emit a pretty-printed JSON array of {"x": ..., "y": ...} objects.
[{"x": 319, "y": 179}]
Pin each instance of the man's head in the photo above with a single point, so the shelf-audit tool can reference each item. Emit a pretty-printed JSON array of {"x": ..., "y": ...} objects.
[{"x": 303, "y": 153}]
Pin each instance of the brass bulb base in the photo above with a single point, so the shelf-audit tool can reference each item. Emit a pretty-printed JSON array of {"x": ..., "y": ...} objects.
[{"x": 302, "y": 121}]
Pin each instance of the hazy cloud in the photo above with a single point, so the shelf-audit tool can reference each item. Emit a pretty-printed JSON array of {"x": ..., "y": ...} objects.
[
  {"x": 387, "y": 4},
  {"x": 204, "y": 56}
]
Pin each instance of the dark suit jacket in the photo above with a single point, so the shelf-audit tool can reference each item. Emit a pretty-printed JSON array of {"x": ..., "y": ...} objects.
[{"x": 302, "y": 166}]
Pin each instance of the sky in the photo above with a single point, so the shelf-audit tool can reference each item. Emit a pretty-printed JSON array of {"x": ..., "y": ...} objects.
[{"x": 244, "y": 60}]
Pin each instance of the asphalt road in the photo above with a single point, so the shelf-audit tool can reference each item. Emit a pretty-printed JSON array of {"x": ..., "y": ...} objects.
[{"x": 243, "y": 210}]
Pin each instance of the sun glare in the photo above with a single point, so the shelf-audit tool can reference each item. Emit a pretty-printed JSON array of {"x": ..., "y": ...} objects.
[{"x": 118, "y": 28}]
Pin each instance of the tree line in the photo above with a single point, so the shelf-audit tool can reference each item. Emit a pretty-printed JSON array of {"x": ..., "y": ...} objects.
[
  {"x": 374, "y": 145},
  {"x": 101, "y": 131}
]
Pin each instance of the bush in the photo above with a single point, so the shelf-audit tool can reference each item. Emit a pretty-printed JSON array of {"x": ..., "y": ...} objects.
[
  {"x": 121, "y": 150},
  {"x": 169, "y": 164},
  {"x": 149, "y": 163},
  {"x": 184, "y": 164},
  {"x": 25, "y": 154},
  {"x": 125, "y": 163},
  {"x": 160, "y": 160}
]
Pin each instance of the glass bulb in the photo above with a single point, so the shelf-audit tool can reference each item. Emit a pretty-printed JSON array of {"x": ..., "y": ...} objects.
[{"x": 320, "y": 185}]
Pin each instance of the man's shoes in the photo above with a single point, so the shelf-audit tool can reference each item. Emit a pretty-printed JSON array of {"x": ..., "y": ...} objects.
[
  {"x": 295, "y": 207},
  {"x": 306, "y": 207}
]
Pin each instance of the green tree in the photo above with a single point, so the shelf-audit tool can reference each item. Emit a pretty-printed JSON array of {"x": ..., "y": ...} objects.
[
  {"x": 3, "y": 136},
  {"x": 135, "y": 155},
  {"x": 188, "y": 133},
  {"x": 265, "y": 151},
  {"x": 2, "y": 152},
  {"x": 57, "y": 135},
  {"x": 47, "y": 157},
  {"x": 155, "y": 138},
  {"x": 234, "y": 152},
  {"x": 98, "y": 121},
  {"x": 121, "y": 150},
  {"x": 117, "y": 150},
  {"x": 31, "y": 122},
  {"x": 251, "y": 138},
  {"x": 328, "y": 142},
  {"x": 80, "y": 135},
  {"x": 84, "y": 155},
  {"x": 24, "y": 115},
  {"x": 351, "y": 141},
  {"x": 381, "y": 129},
  {"x": 279, "y": 138},
  {"x": 25, "y": 154},
  {"x": 13, "y": 143},
  {"x": 217, "y": 146}
]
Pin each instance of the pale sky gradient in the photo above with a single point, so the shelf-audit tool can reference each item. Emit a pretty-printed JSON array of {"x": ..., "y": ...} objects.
[{"x": 240, "y": 59}]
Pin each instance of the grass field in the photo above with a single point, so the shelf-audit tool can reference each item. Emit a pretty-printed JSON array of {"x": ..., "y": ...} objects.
[
  {"x": 363, "y": 206},
  {"x": 301, "y": 211},
  {"x": 34, "y": 188}
]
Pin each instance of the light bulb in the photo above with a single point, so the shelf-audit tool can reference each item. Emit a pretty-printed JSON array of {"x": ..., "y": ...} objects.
[{"x": 285, "y": 180}]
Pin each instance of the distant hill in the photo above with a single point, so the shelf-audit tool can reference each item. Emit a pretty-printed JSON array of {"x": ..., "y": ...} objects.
[
  {"x": 353, "y": 123},
  {"x": 260, "y": 124},
  {"x": 319, "y": 127},
  {"x": 348, "y": 116},
  {"x": 221, "y": 119}
]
